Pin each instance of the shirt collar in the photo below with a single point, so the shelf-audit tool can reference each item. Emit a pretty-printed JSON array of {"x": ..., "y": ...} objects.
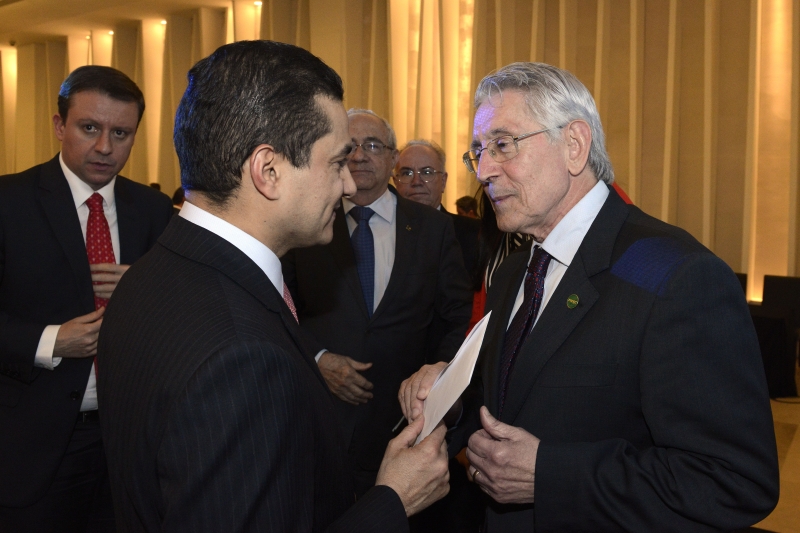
[
  {"x": 249, "y": 245},
  {"x": 81, "y": 191},
  {"x": 563, "y": 242},
  {"x": 383, "y": 206}
]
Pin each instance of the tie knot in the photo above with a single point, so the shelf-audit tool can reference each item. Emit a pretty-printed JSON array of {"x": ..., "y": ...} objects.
[
  {"x": 95, "y": 203},
  {"x": 360, "y": 213},
  {"x": 539, "y": 261}
]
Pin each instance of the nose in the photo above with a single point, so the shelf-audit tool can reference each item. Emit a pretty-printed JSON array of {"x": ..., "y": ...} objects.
[
  {"x": 487, "y": 168},
  {"x": 349, "y": 186},
  {"x": 358, "y": 154},
  {"x": 416, "y": 180},
  {"x": 103, "y": 143}
]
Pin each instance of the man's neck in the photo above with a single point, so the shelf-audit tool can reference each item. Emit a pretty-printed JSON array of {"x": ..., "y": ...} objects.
[{"x": 364, "y": 198}]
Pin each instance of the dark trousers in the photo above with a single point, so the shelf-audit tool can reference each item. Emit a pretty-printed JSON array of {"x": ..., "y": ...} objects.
[{"x": 79, "y": 499}]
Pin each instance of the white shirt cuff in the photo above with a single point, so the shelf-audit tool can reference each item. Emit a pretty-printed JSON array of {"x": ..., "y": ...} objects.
[
  {"x": 44, "y": 351},
  {"x": 316, "y": 357}
]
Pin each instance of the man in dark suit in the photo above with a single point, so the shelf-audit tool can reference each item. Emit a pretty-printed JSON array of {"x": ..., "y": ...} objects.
[
  {"x": 215, "y": 415},
  {"x": 420, "y": 176},
  {"x": 369, "y": 307},
  {"x": 53, "y": 471},
  {"x": 621, "y": 386}
]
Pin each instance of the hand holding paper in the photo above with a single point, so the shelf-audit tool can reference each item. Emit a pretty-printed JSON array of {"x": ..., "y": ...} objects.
[{"x": 447, "y": 387}]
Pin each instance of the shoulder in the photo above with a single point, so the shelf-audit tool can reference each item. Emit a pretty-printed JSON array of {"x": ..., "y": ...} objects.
[
  {"x": 432, "y": 218},
  {"x": 143, "y": 193},
  {"x": 21, "y": 181},
  {"x": 648, "y": 252}
]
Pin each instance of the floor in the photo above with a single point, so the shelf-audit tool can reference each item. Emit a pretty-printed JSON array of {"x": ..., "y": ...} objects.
[{"x": 786, "y": 415}]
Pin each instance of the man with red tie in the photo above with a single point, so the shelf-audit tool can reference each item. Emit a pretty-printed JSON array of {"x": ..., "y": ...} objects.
[{"x": 69, "y": 229}]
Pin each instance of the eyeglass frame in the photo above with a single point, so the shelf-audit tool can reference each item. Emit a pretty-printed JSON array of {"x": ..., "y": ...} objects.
[
  {"x": 361, "y": 145},
  {"x": 473, "y": 169},
  {"x": 418, "y": 173}
]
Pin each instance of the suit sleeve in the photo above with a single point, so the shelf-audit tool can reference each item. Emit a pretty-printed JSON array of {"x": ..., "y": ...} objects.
[
  {"x": 712, "y": 464},
  {"x": 238, "y": 450},
  {"x": 453, "y": 302},
  {"x": 18, "y": 338}
]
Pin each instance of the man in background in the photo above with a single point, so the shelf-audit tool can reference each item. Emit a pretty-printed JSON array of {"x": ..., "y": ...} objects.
[
  {"x": 420, "y": 176},
  {"x": 467, "y": 206},
  {"x": 215, "y": 415},
  {"x": 369, "y": 298},
  {"x": 69, "y": 229}
]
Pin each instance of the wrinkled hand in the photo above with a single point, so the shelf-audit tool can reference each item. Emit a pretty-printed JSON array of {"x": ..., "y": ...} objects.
[
  {"x": 418, "y": 474},
  {"x": 78, "y": 337},
  {"x": 341, "y": 373},
  {"x": 503, "y": 460},
  {"x": 415, "y": 389},
  {"x": 105, "y": 277}
]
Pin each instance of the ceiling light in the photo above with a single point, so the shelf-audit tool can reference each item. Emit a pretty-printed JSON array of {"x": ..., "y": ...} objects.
[
  {"x": 257, "y": 3},
  {"x": 111, "y": 33},
  {"x": 163, "y": 22}
]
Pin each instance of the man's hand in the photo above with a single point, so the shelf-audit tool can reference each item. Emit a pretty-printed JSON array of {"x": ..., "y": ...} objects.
[
  {"x": 418, "y": 474},
  {"x": 105, "y": 277},
  {"x": 503, "y": 460},
  {"x": 342, "y": 376},
  {"x": 415, "y": 389},
  {"x": 78, "y": 337}
]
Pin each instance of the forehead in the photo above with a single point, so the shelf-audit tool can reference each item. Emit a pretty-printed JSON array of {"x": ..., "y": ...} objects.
[
  {"x": 506, "y": 113},
  {"x": 364, "y": 126},
  {"x": 95, "y": 105},
  {"x": 419, "y": 156},
  {"x": 339, "y": 136}
]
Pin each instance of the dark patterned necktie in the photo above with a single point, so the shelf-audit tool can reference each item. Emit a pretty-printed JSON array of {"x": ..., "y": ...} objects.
[
  {"x": 364, "y": 249},
  {"x": 522, "y": 322}
]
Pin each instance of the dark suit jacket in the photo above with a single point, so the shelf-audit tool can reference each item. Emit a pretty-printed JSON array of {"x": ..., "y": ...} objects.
[
  {"x": 45, "y": 279},
  {"x": 428, "y": 282},
  {"x": 649, "y": 397},
  {"x": 467, "y": 231},
  {"x": 214, "y": 415}
]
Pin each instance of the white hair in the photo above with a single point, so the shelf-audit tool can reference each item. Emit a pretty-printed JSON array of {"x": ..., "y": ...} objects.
[
  {"x": 429, "y": 144},
  {"x": 555, "y": 97},
  {"x": 392, "y": 138}
]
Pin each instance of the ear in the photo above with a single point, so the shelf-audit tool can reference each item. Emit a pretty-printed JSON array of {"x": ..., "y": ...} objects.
[
  {"x": 579, "y": 142},
  {"x": 265, "y": 171},
  {"x": 444, "y": 180},
  {"x": 395, "y": 157},
  {"x": 59, "y": 126}
]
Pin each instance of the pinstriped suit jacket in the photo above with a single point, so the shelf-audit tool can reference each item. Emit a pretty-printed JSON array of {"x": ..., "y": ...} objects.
[{"x": 214, "y": 415}]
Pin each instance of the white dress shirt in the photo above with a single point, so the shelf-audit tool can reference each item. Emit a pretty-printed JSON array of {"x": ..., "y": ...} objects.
[
  {"x": 47, "y": 342},
  {"x": 563, "y": 242},
  {"x": 262, "y": 256},
  {"x": 383, "y": 225}
]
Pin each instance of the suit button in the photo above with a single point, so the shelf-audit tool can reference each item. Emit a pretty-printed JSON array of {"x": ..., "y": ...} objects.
[{"x": 74, "y": 395}]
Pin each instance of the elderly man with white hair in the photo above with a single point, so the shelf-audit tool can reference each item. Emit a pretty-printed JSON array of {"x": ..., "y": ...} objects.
[{"x": 621, "y": 385}]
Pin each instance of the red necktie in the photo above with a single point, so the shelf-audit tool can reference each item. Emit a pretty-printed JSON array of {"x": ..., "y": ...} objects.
[
  {"x": 287, "y": 297},
  {"x": 98, "y": 239}
]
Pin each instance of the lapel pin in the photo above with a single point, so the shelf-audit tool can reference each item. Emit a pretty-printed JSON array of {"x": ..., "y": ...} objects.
[
  {"x": 408, "y": 228},
  {"x": 572, "y": 301}
]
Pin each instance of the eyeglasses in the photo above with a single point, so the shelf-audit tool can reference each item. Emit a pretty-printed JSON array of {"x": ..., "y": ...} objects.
[
  {"x": 501, "y": 149},
  {"x": 406, "y": 175},
  {"x": 371, "y": 147}
]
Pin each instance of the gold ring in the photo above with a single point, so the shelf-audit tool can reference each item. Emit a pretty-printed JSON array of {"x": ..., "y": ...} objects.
[{"x": 475, "y": 475}]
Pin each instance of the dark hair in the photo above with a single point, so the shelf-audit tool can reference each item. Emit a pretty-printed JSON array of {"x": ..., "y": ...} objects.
[
  {"x": 178, "y": 196},
  {"x": 246, "y": 94},
  {"x": 467, "y": 203},
  {"x": 104, "y": 80}
]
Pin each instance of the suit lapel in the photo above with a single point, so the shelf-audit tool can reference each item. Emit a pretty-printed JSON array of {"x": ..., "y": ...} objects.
[
  {"x": 557, "y": 321},
  {"x": 342, "y": 252},
  {"x": 59, "y": 208},
  {"x": 407, "y": 233},
  {"x": 200, "y": 245}
]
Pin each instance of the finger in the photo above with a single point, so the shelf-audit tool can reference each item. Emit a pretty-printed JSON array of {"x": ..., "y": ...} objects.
[
  {"x": 345, "y": 396},
  {"x": 496, "y": 429},
  {"x": 109, "y": 267},
  {"x": 359, "y": 365},
  {"x": 409, "y": 435},
  {"x": 105, "y": 277},
  {"x": 89, "y": 317},
  {"x": 359, "y": 394},
  {"x": 354, "y": 378}
]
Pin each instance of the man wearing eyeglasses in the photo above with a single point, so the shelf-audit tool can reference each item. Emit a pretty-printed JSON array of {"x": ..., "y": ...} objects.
[
  {"x": 420, "y": 176},
  {"x": 621, "y": 386},
  {"x": 369, "y": 297}
]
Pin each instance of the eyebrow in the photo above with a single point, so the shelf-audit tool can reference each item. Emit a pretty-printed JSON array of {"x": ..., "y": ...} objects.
[
  {"x": 370, "y": 140},
  {"x": 344, "y": 152}
]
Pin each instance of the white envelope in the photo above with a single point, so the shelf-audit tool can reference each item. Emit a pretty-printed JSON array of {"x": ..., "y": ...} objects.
[{"x": 453, "y": 379}]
